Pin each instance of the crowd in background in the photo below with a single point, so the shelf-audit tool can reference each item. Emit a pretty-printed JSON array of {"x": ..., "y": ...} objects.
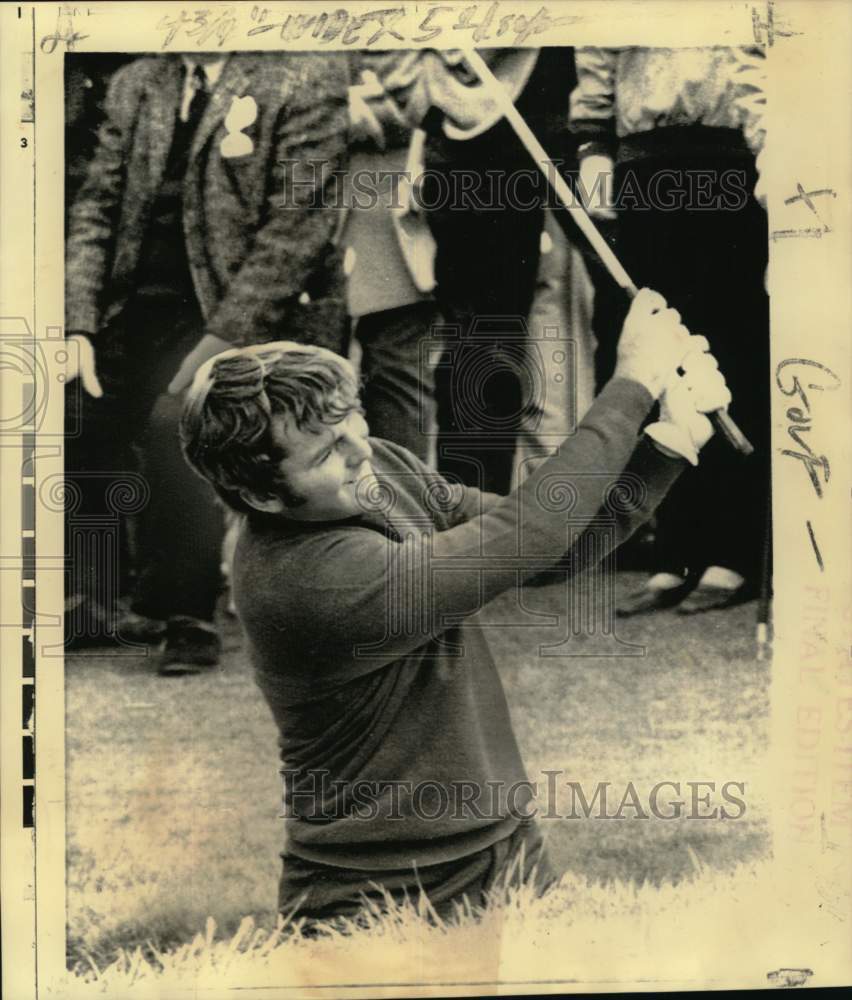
[{"x": 381, "y": 205}]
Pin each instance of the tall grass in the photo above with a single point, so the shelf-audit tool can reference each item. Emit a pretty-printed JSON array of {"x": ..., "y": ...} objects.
[{"x": 576, "y": 933}]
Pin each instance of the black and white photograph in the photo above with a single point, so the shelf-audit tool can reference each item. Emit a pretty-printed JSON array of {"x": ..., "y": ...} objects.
[{"x": 446, "y": 448}]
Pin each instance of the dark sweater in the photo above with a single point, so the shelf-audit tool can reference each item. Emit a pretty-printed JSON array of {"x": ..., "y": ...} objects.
[{"x": 361, "y": 647}]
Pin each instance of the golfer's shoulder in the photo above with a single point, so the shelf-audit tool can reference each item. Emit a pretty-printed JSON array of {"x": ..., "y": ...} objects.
[
  {"x": 265, "y": 552},
  {"x": 410, "y": 487},
  {"x": 286, "y": 579},
  {"x": 391, "y": 459},
  {"x": 391, "y": 454}
]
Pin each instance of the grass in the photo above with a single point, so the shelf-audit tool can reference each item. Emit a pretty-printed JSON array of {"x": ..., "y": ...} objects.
[
  {"x": 173, "y": 793},
  {"x": 575, "y": 934}
]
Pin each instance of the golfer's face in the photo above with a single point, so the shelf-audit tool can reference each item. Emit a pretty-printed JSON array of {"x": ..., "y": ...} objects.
[{"x": 322, "y": 470}]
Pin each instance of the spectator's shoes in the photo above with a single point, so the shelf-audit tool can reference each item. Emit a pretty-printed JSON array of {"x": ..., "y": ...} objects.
[
  {"x": 707, "y": 597},
  {"x": 191, "y": 646},
  {"x": 139, "y": 628},
  {"x": 653, "y": 596}
]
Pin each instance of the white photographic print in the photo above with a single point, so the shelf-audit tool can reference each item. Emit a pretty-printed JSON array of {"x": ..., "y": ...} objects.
[{"x": 425, "y": 498}]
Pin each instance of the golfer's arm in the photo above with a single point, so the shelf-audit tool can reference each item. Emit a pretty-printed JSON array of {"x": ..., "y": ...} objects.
[
  {"x": 539, "y": 521},
  {"x": 389, "y": 597},
  {"x": 629, "y": 503},
  {"x": 454, "y": 502}
]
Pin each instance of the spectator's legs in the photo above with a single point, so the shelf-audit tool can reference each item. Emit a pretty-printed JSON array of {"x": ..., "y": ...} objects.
[
  {"x": 181, "y": 530},
  {"x": 561, "y": 347},
  {"x": 399, "y": 387},
  {"x": 104, "y": 489},
  {"x": 485, "y": 267},
  {"x": 179, "y": 548},
  {"x": 737, "y": 326},
  {"x": 709, "y": 264},
  {"x": 609, "y": 310}
]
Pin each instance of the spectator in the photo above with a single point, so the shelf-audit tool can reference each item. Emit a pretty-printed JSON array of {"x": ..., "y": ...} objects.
[
  {"x": 389, "y": 260},
  {"x": 668, "y": 139},
  {"x": 484, "y": 203},
  {"x": 200, "y": 224}
]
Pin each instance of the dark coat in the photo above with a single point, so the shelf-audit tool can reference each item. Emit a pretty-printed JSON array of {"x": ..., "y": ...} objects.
[{"x": 259, "y": 232}]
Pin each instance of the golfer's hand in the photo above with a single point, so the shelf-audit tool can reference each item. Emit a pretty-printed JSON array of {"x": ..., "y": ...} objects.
[
  {"x": 208, "y": 347},
  {"x": 683, "y": 428},
  {"x": 653, "y": 343},
  {"x": 81, "y": 364},
  {"x": 596, "y": 186}
]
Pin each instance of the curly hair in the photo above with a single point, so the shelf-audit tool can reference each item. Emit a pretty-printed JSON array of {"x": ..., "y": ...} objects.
[{"x": 227, "y": 428}]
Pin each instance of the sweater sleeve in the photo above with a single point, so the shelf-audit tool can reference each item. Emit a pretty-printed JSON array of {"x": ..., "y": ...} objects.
[
  {"x": 456, "y": 502},
  {"x": 385, "y": 597}
]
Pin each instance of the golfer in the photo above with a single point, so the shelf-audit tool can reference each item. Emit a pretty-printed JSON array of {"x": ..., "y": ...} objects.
[{"x": 355, "y": 575}]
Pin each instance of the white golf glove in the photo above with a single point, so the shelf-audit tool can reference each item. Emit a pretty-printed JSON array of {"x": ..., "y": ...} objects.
[{"x": 683, "y": 428}]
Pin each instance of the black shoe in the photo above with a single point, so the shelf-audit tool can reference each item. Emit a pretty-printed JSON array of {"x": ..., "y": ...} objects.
[
  {"x": 191, "y": 647},
  {"x": 706, "y": 597},
  {"x": 649, "y": 599}
]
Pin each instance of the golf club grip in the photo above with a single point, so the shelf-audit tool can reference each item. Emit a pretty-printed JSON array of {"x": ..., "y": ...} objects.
[
  {"x": 720, "y": 418},
  {"x": 732, "y": 434}
]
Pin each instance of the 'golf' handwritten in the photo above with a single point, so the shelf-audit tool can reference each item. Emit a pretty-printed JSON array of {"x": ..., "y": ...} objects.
[{"x": 789, "y": 377}]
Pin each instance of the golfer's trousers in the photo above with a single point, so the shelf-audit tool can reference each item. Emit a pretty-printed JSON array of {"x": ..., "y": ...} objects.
[{"x": 323, "y": 892}]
